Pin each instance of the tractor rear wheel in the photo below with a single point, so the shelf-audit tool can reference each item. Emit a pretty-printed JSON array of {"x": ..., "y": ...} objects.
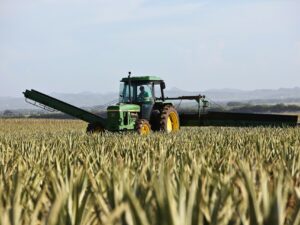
[
  {"x": 169, "y": 119},
  {"x": 94, "y": 128},
  {"x": 143, "y": 127}
]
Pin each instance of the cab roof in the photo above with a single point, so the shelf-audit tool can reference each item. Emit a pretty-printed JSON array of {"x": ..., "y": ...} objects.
[{"x": 142, "y": 79}]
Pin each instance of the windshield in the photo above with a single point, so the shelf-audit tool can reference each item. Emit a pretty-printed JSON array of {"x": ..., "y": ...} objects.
[
  {"x": 124, "y": 93},
  {"x": 138, "y": 92}
]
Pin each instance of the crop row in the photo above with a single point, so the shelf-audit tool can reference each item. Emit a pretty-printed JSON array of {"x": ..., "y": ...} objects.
[{"x": 52, "y": 172}]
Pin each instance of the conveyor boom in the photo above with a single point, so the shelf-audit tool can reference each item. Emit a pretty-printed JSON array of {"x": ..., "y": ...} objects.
[{"x": 64, "y": 107}]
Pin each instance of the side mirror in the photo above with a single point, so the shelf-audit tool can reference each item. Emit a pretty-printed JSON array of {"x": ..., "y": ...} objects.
[
  {"x": 162, "y": 85},
  {"x": 205, "y": 103}
]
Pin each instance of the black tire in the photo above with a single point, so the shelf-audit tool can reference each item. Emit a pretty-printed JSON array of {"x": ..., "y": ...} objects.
[
  {"x": 169, "y": 119},
  {"x": 155, "y": 120},
  {"x": 143, "y": 127},
  {"x": 94, "y": 128}
]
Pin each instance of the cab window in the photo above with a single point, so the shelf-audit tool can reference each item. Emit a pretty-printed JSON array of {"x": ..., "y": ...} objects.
[{"x": 144, "y": 93}]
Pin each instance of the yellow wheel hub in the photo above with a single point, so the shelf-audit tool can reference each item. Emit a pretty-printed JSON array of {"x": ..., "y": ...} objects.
[
  {"x": 169, "y": 125},
  {"x": 172, "y": 123},
  {"x": 145, "y": 129}
]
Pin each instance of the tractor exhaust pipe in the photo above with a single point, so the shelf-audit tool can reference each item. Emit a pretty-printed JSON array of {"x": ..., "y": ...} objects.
[{"x": 129, "y": 85}]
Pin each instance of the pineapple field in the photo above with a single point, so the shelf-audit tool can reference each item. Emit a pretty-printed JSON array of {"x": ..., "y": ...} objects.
[{"x": 52, "y": 172}]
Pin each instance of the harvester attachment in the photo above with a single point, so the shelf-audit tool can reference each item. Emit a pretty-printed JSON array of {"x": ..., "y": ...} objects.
[
  {"x": 210, "y": 118},
  {"x": 237, "y": 119},
  {"x": 47, "y": 101}
]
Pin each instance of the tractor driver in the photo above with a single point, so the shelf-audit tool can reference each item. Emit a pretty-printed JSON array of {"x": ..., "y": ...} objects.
[{"x": 143, "y": 95}]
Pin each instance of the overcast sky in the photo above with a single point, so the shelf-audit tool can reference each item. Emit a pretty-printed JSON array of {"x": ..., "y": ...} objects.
[{"x": 74, "y": 46}]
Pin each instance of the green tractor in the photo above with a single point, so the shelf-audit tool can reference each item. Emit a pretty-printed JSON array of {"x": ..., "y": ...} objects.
[{"x": 143, "y": 108}]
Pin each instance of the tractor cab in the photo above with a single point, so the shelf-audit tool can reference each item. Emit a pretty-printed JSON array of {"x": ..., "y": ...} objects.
[{"x": 141, "y": 90}]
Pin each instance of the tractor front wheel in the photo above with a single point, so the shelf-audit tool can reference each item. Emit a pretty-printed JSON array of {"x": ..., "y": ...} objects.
[
  {"x": 94, "y": 128},
  {"x": 143, "y": 127},
  {"x": 169, "y": 119}
]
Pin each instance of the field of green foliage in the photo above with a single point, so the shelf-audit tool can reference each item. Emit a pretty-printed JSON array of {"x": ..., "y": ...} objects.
[{"x": 51, "y": 172}]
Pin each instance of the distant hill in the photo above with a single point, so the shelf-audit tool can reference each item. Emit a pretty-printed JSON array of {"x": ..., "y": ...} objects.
[
  {"x": 262, "y": 94},
  {"x": 87, "y": 99}
]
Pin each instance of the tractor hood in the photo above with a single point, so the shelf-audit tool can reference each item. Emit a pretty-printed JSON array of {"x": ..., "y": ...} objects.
[
  {"x": 122, "y": 116},
  {"x": 124, "y": 108}
]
